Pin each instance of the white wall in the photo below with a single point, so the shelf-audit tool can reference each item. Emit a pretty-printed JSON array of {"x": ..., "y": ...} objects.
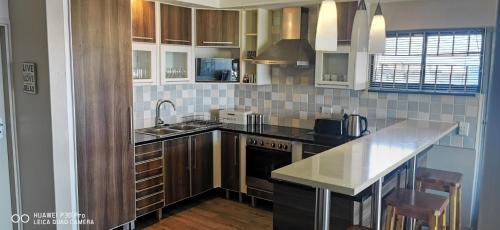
[
  {"x": 431, "y": 14},
  {"x": 457, "y": 160},
  {"x": 490, "y": 184},
  {"x": 33, "y": 115}
]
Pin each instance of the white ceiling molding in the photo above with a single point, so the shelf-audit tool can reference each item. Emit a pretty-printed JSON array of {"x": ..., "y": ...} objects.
[
  {"x": 195, "y": 3},
  {"x": 264, "y": 3},
  {"x": 259, "y": 3}
]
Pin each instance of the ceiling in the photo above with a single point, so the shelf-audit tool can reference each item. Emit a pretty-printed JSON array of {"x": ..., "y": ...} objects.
[{"x": 257, "y": 3}]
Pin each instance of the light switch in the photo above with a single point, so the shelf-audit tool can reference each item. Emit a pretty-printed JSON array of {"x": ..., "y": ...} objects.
[
  {"x": 2, "y": 129},
  {"x": 463, "y": 128}
]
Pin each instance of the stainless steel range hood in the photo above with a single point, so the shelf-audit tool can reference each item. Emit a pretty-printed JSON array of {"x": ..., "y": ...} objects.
[{"x": 293, "y": 48}]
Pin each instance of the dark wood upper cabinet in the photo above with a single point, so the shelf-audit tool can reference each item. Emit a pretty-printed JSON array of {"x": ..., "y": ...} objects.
[
  {"x": 176, "y": 25},
  {"x": 177, "y": 172},
  {"x": 231, "y": 27},
  {"x": 217, "y": 28},
  {"x": 201, "y": 163},
  {"x": 345, "y": 13},
  {"x": 143, "y": 21},
  {"x": 230, "y": 161},
  {"x": 101, "y": 44}
]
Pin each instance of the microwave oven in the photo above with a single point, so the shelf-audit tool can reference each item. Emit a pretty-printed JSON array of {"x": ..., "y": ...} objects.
[{"x": 217, "y": 70}]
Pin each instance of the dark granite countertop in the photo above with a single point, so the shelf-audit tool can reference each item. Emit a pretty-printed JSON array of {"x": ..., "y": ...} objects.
[{"x": 273, "y": 131}]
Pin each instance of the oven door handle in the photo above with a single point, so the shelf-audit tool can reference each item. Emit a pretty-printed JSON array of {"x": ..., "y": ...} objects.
[{"x": 236, "y": 152}]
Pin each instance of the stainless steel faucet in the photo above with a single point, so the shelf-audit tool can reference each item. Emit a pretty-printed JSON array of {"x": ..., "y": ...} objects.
[{"x": 158, "y": 121}]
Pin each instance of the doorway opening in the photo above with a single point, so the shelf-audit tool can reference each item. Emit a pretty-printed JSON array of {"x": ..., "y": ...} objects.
[{"x": 8, "y": 167}]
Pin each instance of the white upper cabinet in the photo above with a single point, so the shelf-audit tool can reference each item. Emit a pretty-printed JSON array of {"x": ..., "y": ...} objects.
[
  {"x": 176, "y": 64},
  {"x": 144, "y": 63},
  {"x": 342, "y": 69}
]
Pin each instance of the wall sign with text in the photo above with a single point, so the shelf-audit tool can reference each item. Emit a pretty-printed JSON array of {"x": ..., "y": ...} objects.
[{"x": 29, "y": 78}]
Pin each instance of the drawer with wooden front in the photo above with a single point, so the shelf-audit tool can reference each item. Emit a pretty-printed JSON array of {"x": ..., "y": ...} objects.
[
  {"x": 150, "y": 203},
  {"x": 148, "y": 161},
  {"x": 149, "y": 185},
  {"x": 148, "y": 152}
]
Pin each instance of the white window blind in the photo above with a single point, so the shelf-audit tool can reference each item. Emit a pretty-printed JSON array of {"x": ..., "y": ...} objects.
[{"x": 430, "y": 61}]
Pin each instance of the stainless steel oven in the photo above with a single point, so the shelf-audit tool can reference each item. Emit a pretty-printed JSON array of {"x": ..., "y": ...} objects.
[{"x": 263, "y": 155}]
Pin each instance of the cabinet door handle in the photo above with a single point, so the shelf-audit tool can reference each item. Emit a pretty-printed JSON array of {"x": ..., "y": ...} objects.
[
  {"x": 130, "y": 125},
  {"x": 236, "y": 142},
  {"x": 189, "y": 153},
  {"x": 176, "y": 40},
  {"x": 194, "y": 152},
  {"x": 217, "y": 43},
  {"x": 145, "y": 38}
]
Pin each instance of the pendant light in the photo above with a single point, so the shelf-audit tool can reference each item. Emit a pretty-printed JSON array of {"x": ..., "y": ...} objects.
[
  {"x": 326, "y": 32},
  {"x": 377, "y": 32},
  {"x": 359, "y": 37}
]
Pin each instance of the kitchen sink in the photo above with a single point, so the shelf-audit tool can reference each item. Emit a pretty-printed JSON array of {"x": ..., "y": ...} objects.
[
  {"x": 183, "y": 127},
  {"x": 157, "y": 131}
]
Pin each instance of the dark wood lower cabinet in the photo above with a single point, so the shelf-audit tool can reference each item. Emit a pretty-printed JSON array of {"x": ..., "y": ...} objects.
[
  {"x": 309, "y": 150},
  {"x": 230, "y": 161},
  {"x": 149, "y": 178},
  {"x": 177, "y": 171},
  {"x": 294, "y": 205},
  {"x": 294, "y": 208},
  {"x": 201, "y": 163}
]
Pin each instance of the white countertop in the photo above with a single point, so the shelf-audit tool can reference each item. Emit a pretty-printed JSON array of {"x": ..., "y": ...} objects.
[{"x": 352, "y": 167}]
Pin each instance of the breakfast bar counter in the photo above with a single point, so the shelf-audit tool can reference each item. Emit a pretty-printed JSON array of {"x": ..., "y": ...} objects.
[{"x": 360, "y": 164}]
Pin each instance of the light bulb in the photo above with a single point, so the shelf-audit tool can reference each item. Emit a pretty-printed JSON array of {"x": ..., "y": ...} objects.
[
  {"x": 326, "y": 33},
  {"x": 377, "y": 32},
  {"x": 359, "y": 37}
]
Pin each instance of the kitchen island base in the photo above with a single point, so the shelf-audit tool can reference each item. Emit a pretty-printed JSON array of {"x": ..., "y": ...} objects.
[{"x": 294, "y": 208}]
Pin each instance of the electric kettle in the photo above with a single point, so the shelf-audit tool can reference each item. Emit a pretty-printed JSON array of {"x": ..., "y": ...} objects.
[{"x": 357, "y": 125}]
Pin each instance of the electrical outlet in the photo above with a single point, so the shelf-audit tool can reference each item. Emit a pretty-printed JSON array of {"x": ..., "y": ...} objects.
[{"x": 463, "y": 128}]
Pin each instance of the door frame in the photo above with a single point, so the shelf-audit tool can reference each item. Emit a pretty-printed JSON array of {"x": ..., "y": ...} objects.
[
  {"x": 11, "y": 134},
  {"x": 58, "y": 14}
]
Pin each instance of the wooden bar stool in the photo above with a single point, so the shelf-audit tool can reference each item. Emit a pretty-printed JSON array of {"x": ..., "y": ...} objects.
[
  {"x": 429, "y": 208},
  {"x": 444, "y": 181}
]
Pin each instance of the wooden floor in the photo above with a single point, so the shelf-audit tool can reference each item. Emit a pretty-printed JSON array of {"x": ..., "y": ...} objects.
[{"x": 217, "y": 213}]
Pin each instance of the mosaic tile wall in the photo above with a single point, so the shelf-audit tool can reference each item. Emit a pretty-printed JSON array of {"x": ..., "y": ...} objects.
[
  {"x": 189, "y": 99},
  {"x": 292, "y": 100}
]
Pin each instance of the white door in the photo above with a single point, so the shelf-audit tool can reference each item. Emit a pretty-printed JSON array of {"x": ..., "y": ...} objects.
[{"x": 5, "y": 198}]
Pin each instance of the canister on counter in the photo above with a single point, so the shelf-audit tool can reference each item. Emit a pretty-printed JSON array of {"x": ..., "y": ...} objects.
[
  {"x": 251, "y": 119},
  {"x": 259, "y": 119}
]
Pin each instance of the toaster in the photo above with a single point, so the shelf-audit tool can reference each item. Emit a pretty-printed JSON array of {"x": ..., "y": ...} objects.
[
  {"x": 233, "y": 116},
  {"x": 330, "y": 126}
]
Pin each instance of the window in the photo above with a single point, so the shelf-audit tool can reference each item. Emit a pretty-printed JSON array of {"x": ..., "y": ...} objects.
[{"x": 430, "y": 61}]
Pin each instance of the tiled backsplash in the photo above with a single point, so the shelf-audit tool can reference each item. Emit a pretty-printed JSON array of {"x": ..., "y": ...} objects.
[
  {"x": 292, "y": 100},
  {"x": 188, "y": 98}
]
